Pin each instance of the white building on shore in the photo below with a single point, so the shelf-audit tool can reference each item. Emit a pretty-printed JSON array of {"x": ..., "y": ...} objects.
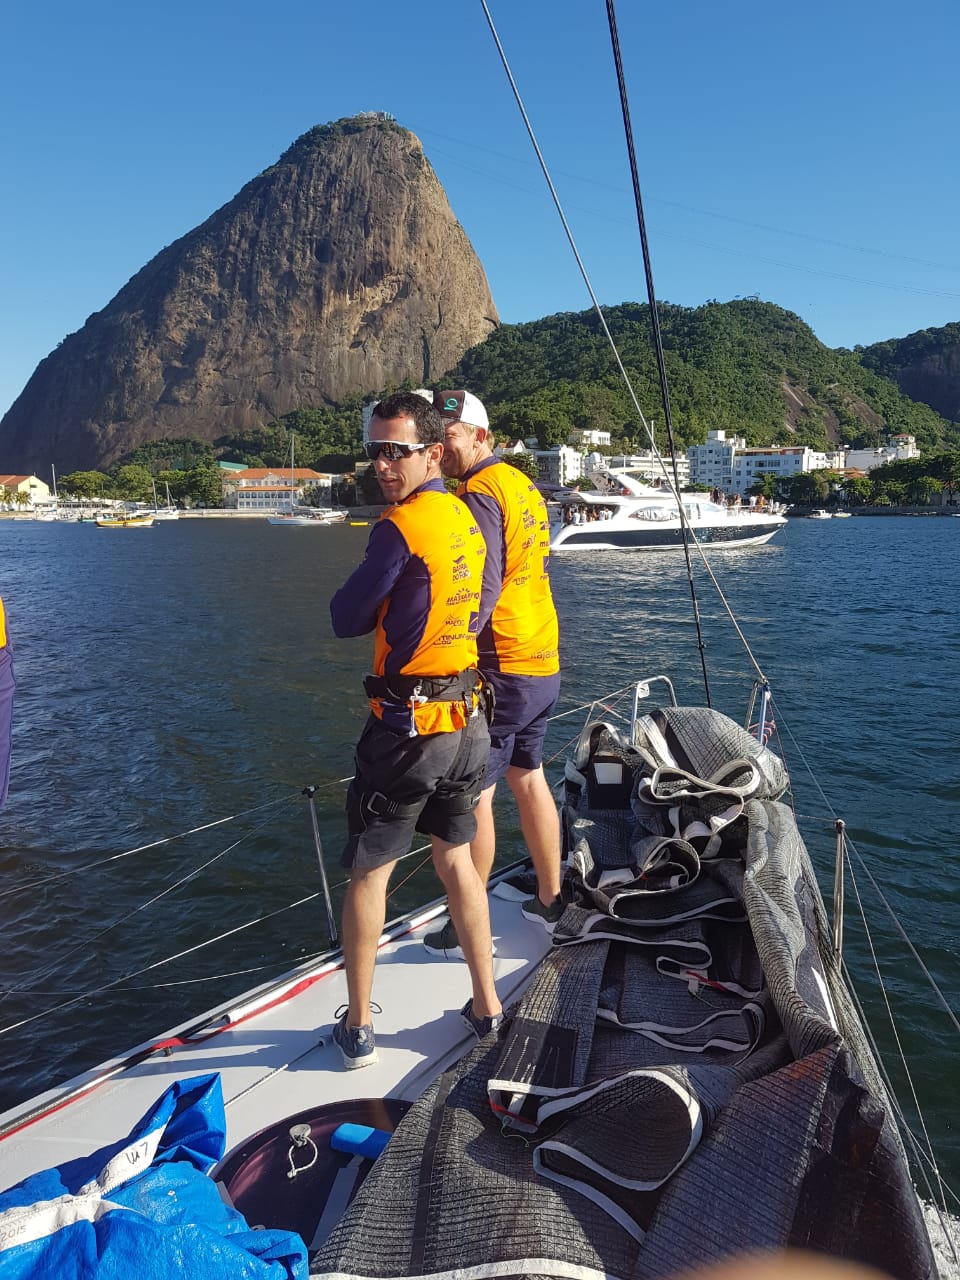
[
  {"x": 561, "y": 465},
  {"x": 31, "y": 490},
  {"x": 581, "y": 437},
  {"x": 727, "y": 463},
  {"x": 711, "y": 463},
  {"x": 896, "y": 449},
  {"x": 270, "y": 488},
  {"x": 780, "y": 461}
]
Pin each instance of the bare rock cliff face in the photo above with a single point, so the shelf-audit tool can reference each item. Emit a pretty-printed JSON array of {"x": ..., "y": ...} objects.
[
  {"x": 341, "y": 269},
  {"x": 925, "y": 366},
  {"x": 934, "y": 379}
]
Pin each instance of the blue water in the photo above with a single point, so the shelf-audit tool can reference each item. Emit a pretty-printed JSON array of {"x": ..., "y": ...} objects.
[{"x": 174, "y": 676}]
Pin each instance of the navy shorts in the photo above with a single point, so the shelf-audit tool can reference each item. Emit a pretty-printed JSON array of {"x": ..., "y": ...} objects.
[
  {"x": 429, "y": 784},
  {"x": 520, "y": 719}
]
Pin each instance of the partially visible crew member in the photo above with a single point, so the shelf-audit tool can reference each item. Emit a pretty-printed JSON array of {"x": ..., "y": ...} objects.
[
  {"x": 6, "y": 704},
  {"x": 421, "y": 757}
]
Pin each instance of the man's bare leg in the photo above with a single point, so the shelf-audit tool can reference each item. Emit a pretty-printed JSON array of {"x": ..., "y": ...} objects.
[
  {"x": 483, "y": 846},
  {"x": 364, "y": 914},
  {"x": 540, "y": 824},
  {"x": 470, "y": 913}
]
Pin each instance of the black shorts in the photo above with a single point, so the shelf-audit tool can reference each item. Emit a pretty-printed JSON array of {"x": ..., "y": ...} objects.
[{"x": 434, "y": 780}]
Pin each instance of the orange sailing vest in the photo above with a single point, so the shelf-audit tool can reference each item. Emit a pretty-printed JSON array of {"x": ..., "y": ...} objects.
[
  {"x": 441, "y": 533},
  {"x": 522, "y": 637}
]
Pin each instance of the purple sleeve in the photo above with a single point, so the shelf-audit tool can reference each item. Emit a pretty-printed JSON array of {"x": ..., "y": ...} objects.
[
  {"x": 354, "y": 608},
  {"x": 486, "y": 511}
]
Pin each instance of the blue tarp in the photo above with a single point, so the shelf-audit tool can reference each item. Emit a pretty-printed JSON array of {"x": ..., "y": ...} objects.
[{"x": 144, "y": 1207}]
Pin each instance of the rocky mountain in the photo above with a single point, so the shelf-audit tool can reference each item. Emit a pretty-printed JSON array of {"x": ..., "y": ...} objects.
[
  {"x": 340, "y": 269},
  {"x": 924, "y": 365}
]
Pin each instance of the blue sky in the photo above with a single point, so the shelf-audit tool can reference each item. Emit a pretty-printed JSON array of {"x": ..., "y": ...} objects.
[{"x": 805, "y": 154}]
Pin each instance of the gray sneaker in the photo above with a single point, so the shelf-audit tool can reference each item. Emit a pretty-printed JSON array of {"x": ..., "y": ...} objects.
[
  {"x": 357, "y": 1045},
  {"x": 445, "y": 943},
  {"x": 533, "y": 909},
  {"x": 516, "y": 887},
  {"x": 481, "y": 1026}
]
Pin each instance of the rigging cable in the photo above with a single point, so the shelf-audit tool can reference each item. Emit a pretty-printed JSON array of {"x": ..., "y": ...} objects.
[
  {"x": 88, "y": 941},
  {"x": 657, "y": 335},
  {"x": 671, "y": 480},
  {"x": 613, "y": 346},
  {"x": 40, "y": 881}
]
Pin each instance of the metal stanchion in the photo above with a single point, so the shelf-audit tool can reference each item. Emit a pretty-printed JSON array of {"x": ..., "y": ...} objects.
[
  {"x": 838, "y": 891},
  {"x": 310, "y": 792}
]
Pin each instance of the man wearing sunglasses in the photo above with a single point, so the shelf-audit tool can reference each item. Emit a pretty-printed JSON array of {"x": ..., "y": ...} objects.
[
  {"x": 421, "y": 757},
  {"x": 518, "y": 651}
]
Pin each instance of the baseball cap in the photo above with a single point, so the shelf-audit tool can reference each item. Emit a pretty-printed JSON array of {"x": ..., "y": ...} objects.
[{"x": 461, "y": 406}]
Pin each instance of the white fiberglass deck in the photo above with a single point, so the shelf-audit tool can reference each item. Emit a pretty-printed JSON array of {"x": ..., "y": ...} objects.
[{"x": 281, "y": 1060}]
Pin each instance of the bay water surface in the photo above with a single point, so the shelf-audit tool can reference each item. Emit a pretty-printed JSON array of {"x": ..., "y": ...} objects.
[{"x": 172, "y": 677}]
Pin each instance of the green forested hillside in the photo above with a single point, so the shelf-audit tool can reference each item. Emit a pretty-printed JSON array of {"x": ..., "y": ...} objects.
[{"x": 745, "y": 366}]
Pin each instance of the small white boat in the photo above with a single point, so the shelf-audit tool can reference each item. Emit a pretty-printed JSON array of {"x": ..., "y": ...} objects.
[
  {"x": 51, "y": 512},
  {"x": 168, "y": 512},
  {"x": 820, "y": 515},
  {"x": 625, "y": 514},
  {"x": 304, "y": 516},
  {"x": 842, "y": 515},
  {"x": 308, "y": 516}
]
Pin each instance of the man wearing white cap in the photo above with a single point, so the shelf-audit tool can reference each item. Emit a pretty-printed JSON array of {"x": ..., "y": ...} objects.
[{"x": 517, "y": 649}]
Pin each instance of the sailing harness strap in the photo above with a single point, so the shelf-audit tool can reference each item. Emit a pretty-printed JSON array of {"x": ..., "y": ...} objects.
[{"x": 415, "y": 705}]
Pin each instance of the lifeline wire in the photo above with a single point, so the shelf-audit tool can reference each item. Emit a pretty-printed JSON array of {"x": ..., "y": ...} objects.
[
  {"x": 154, "y": 844},
  {"x": 927, "y": 1151},
  {"x": 88, "y": 941},
  {"x": 932, "y": 982},
  {"x": 107, "y": 986}
]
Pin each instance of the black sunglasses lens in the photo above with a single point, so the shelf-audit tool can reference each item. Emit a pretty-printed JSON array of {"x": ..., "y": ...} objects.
[{"x": 392, "y": 450}]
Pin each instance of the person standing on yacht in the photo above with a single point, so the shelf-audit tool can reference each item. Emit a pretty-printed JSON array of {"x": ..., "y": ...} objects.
[
  {"x": 421, "y": 758},
  {"x": 517, "y": 647},
  {"x": 6, "y": 704}
]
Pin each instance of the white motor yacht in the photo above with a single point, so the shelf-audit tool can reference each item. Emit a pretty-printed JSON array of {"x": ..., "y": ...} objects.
[{"x": 624, "y": 513}]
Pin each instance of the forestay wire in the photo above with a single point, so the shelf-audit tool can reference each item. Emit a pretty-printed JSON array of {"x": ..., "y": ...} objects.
[
  {"x": 655, "y": 323},
  {"x": 672, "y": 481}
]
